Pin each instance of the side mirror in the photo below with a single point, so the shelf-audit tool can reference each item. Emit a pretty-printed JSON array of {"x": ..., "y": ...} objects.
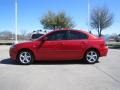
[{"x": 45, "y": 39}]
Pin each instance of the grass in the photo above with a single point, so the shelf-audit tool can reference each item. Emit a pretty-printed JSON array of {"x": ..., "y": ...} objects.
[
  {"x": 113, "y": 44},
  {"x": 6, "y": 42},
  {"x": 9, "y": 41}
]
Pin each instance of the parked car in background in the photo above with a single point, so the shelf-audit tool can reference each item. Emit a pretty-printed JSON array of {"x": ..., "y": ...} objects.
[
  {"x": 117, "y": 38},
  {"x": 60, "y": 45},
  {"x": 36, "y": 35}
]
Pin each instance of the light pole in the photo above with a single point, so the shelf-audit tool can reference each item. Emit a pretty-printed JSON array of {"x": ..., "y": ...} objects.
[
  {"x": 16, "y": 22},
  {"x": 88, "y": 15}
]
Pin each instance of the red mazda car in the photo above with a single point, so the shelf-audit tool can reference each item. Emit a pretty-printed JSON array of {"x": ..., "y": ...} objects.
[{"x": 60, "y": 45}]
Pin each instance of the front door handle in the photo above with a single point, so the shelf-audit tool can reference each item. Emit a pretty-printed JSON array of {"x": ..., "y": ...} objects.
[
  {"x": 59, "y": 44},
  {"x": 62, "y": 43}
]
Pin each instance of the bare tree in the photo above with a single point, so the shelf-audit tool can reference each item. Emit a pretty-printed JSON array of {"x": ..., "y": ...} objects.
[
  {"x": 23, "y": 34},
  {"x": 101, "y": 18},
  {"x": 5, "y": 35}
]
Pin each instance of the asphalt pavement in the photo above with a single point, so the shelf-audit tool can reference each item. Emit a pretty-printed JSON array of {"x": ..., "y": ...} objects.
[{"x": 67, "y": 75}]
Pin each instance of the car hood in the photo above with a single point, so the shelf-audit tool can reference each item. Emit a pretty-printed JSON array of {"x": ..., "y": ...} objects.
[
  {"x": 27, "y": 43},
  {"x": 24, "y": 42}
]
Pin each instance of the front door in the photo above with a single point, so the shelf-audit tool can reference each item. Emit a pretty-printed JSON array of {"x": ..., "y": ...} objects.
[{"x": 52, "y": 48}]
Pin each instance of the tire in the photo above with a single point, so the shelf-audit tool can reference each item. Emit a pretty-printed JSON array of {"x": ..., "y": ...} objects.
[
  {"x": 25, "y": 57},
  {"x": 91, "y": 57}
]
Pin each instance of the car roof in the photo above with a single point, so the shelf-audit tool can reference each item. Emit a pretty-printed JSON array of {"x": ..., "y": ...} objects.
[
  {"x": 90, "y": 36},
  {"x": 56, "y": 30}
]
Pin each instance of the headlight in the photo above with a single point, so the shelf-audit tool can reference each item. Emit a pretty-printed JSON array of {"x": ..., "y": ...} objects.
[{"x": 13, "y": 46}]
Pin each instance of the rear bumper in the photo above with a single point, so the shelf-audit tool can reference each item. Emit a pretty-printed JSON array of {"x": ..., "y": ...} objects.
[{"x": 103, "y": 51}]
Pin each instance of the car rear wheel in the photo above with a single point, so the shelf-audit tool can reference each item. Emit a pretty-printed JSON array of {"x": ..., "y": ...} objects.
[
  {"x": 25, "y": 57},
  {"x": 91, "y": 57}
]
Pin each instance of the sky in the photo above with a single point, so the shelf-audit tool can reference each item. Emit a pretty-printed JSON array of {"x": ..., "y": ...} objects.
[{"x": 31, "y": 11}]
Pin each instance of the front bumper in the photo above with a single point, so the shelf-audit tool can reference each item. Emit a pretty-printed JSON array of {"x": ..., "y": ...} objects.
[{"x": 12, "y": 53}]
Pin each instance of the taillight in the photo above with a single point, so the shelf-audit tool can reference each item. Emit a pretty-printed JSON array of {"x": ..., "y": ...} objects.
[{"x": 103, "y": 44}]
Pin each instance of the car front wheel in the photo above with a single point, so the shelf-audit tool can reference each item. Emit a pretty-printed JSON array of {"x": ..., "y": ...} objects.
[
  {"x": 25, "y": 57},
  {"x": 91, "y": 57}
]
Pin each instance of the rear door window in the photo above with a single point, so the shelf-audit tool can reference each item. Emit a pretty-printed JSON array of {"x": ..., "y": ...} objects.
[{"x": 74, "y": 35}]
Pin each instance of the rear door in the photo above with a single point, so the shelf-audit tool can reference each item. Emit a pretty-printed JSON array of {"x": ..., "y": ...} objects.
[{"x": 76, "y": 44}]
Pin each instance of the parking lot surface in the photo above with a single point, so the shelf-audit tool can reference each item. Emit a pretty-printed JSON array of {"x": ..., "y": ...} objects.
[{"x": 68, "y": 75}]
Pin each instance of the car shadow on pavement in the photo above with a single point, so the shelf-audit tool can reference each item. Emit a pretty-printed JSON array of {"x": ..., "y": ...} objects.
[
  {"x": 67, "y": 62},
  {"x": 7, "y": 61}
]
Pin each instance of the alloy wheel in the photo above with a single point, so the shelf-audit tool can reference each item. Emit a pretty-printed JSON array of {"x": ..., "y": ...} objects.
[
  {"x": 25, "y": 57},
  {"x": 91, "y": 56}
]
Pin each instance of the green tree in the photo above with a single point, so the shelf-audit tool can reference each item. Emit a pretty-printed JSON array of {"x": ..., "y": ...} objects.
[
  {"x": 101, "y": 18},
  {"x": 54, "y": 21}
]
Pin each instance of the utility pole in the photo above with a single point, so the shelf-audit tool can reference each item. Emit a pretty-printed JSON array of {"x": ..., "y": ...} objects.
[
  {"x": 16, "y": 22},
  {"x": 89, "y": 16}
]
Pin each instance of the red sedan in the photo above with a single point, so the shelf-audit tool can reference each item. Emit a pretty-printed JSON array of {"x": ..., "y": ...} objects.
[{"x": 60, "y": 45}]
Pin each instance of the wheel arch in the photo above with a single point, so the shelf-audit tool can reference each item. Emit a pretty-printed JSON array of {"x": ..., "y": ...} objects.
[
  {"x": 26, "y": 49},
  {"x": 92, "y": 48}
]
